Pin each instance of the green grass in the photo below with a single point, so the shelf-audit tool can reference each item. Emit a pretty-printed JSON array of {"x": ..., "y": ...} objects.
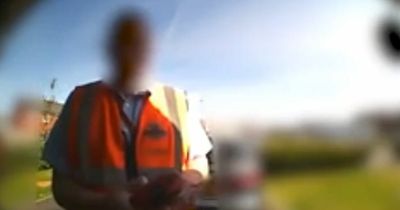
[
  {"x": 345, "y": 189},
  {"x": 22, "y": 187},
  {"x": 16, "y": 189},
  {"x": 44, "y": 175},
  {"x": 350, "y": 189},
  {"x": 43, "y": 192}
]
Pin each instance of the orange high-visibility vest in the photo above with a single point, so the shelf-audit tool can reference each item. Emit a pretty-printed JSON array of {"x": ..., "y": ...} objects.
[{"x": 96, "y": 142}]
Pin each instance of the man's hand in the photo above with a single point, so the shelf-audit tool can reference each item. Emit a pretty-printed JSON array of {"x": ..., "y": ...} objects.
[
  {"x": 192, "y": 177},
  {"x": 71, "y": 195},
  {"x": 119, "y": 199},
  {"x": 170, "y": 191}
]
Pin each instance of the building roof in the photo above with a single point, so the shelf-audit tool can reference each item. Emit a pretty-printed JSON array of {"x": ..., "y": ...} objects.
[
  {"x": 51, "y": 107},
  {"x": 45, "y": 106}
]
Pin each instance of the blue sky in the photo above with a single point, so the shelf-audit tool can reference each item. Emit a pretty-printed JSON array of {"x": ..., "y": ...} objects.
[{"x": 279, "y": 61}]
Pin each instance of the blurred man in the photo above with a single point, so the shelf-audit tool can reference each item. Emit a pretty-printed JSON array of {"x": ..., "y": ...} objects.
[{"x": 125, "y": 143}]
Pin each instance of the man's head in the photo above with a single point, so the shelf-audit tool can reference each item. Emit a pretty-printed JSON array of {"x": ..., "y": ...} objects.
[{"x": 129, "y": 46}]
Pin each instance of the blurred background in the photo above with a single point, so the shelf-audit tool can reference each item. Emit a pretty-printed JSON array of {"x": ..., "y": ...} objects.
[{"x": 315, "y": 83}]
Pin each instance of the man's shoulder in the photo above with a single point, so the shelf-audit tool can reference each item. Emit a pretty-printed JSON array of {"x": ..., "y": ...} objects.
[
  {"x": 94, "y": 87},
  {"x": 191, "y": 97},
  {"x": 160, "y": 85},
  {"x": 90, "y": 85}
]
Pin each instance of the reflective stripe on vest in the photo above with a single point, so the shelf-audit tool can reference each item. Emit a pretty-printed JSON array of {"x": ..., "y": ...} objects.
[
  {"x": 167, "y": 102},
  {"x": 96, "y": 146}
]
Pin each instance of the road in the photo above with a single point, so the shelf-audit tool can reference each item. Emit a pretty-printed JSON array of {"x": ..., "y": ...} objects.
[{"x": 48, "y": 204}]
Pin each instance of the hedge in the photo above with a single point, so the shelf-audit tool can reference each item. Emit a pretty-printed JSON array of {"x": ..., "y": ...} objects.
[{"x": 288, "y": 155}]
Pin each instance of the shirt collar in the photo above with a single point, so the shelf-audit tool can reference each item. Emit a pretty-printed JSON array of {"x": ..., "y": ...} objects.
[{"x": 142, "y": 90}]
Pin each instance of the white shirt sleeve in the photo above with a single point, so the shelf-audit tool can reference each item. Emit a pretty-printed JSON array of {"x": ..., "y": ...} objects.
[{"x": 199, "y": 142}]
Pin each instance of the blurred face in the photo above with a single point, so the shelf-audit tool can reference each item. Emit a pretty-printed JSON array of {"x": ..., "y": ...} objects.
[{"x": 130, "y": 50}]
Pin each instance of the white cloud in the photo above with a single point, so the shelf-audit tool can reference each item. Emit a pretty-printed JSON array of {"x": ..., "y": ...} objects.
[{"x": 323, "y": 57}]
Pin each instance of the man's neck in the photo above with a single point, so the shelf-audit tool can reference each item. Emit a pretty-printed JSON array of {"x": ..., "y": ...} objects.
[
  {"x": 131, "y": 86},
  {"x": 122, "y": 84}
]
